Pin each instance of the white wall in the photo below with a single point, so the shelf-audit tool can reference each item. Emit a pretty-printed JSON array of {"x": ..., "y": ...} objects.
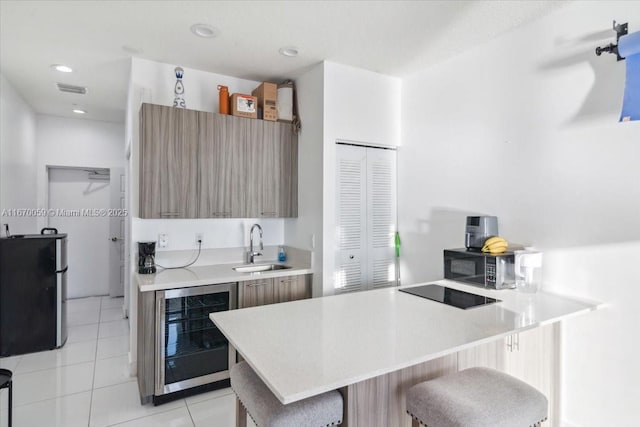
[
  {"x": 217, "y": 233},
  {"x": 525, "y": 128},
  {"x": 359, "y": 106},
  {"x": 305, "y": 231},
  {"x": 17, "y": 158}
]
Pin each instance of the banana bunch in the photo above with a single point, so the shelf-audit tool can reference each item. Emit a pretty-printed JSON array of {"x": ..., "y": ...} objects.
[{"x": 495, "y": 245}]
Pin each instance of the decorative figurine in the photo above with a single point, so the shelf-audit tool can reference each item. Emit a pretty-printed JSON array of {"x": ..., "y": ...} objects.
[{"x": 178, "y": 101}]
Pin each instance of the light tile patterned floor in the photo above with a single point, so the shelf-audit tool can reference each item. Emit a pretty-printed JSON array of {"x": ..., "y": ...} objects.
[{"x": 86, "y": 383}]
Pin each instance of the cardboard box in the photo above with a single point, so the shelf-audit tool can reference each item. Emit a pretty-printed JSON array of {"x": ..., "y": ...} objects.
[
  {"x": 267, "y": 94},
  {"x": 243, "y": 106}
]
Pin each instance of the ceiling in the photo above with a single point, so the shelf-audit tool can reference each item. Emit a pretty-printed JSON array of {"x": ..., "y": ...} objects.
[{"x": 95, "y": 38}]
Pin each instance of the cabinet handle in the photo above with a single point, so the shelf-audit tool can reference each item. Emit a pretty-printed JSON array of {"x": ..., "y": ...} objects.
[
  {"x": 268, "y": 214},
  {"x": 285, "y": 282},
  {"x": 510, "y": 343},
  {"x": 165, "y": 214},
  {"x": 516, "y": 342},
  {"x": 222, "y": 214},
  {"x": 251, "y": 285},
  {"x": 160, "y": 325}
]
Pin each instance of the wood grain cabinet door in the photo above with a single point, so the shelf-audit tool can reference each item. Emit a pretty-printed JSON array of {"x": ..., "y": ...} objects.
[
  {"x": 168, "y": 162},
  {"x": 246, "y": 138},
  {"x": 252, "y": 293},
  {"x": 269, "y": 170},
  {"x": 218, "y": 161},
  {"x": 279, "y": 171},
  {"x": 533, "y": 356},
  {"x": 288, "y": 172},
  {"x": 292, "y": 288}
]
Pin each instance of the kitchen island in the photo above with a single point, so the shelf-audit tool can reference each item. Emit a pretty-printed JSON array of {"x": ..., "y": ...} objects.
[{"x": 374, "y": 345}]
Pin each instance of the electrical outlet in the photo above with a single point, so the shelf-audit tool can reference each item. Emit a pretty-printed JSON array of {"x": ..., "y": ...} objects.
[
  {"x": 199, "y": 238},
  {"x": 163, "y": 240}
]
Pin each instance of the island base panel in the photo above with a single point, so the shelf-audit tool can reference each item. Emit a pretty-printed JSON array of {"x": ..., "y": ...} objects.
[{"x": 381, "y": 401}]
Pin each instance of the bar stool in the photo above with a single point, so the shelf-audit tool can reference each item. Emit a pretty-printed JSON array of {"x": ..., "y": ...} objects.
[
  {"x": 476, "y": 397},
  {"x": 255, "y": 399},
  {"x": 6, "y": 382}
]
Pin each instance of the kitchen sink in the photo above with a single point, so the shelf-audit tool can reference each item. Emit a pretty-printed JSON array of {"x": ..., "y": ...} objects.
[{"x": 256, "y": 268}]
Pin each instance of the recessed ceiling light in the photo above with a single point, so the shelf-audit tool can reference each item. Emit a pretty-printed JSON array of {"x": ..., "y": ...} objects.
[
  {"x": 61, "y": 68},
  {"x": 289, "y": 51},
  {"x": 204, "y": 30},
  {"x": 79, "y": 111}
]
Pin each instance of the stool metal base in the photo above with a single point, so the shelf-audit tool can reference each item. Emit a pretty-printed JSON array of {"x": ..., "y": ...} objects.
[{"x": 7, "y": 376}]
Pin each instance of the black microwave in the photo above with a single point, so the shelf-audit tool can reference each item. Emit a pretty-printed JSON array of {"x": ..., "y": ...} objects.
[{"x": 479, "y": 268}]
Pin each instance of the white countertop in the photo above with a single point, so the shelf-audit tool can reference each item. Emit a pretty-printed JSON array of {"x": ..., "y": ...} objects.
[
  {"x": 304, "y": 348},
  {"x": 210, "y": 275}
]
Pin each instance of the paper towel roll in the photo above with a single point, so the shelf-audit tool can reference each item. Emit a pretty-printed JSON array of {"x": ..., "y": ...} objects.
[
  {"x": 629, "y": 48},
  {"x": 629, "y": 45},
  {"x": 284, "y": 102}
]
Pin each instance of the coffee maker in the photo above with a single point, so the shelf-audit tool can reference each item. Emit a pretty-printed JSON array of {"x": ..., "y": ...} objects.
[{"x": 146, "y": 257}]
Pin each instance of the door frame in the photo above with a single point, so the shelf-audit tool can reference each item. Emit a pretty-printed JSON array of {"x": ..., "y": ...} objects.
[{"x": 43, "y": 221}]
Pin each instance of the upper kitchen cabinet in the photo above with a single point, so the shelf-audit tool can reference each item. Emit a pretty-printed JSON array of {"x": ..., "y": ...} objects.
[
  {"x": 195, "y": 164},
  {"x": 222, "y": 145},
  {"x": 168, "y": 162},
  {"x": 272, "y": 177},
  {"x": 250, "y": 132}
]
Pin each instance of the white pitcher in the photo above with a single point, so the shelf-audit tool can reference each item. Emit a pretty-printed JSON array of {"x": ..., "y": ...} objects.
[{"x": 528, "y": 270}]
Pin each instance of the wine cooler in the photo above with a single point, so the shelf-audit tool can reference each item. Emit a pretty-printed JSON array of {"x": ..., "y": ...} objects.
[{"x": 191, "y": 351}]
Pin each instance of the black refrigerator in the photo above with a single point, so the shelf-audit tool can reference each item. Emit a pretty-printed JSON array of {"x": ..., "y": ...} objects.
[{"x": 33, "y": 293}]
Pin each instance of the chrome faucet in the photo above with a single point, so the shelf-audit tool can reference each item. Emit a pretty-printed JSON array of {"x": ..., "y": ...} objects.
[{"x": 252, "y": 254}]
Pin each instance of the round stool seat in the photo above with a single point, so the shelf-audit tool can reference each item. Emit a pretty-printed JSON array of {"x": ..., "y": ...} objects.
[
  {"x": 5, "y": 378},
  {"x": 266, "y": 410},
  {"x": 476, "y": 397}
]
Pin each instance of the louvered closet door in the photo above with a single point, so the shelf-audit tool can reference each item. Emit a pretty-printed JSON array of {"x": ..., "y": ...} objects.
[
  {"x": 351, "y": 221},
  {"x": 381, "y": 217},
  {"x": 366, "y": 218}
]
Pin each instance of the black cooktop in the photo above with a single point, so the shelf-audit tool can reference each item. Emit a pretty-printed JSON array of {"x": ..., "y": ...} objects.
[{"x": 449, "y": 296}]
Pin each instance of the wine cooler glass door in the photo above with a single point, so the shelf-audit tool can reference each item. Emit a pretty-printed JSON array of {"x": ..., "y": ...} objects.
[{"x": 192, "y": 351}]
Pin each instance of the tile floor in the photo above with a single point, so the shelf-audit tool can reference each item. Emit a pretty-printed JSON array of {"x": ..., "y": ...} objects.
[{"x": 86, "y": 383}]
